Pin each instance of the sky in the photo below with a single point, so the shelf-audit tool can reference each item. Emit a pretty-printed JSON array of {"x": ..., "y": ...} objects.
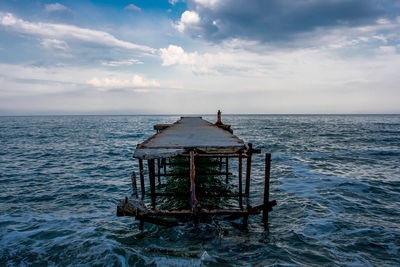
[{"x": 198, "y": 56}]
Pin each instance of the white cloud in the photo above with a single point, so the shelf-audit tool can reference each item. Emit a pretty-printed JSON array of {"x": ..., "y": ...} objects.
[
  {"x": 55, "y": 7},
  {"x": 126, "y": 62},
  {"x": 188, "y": 19},
  {"x": 137, "y": 81},
  {"x": 67, "y": 32},
  {"x": 176, "y": 55},
  {"x": 132, "y": 7},
  {"x": 54, "y": 44},
  {"x": 208, "y": 3}
]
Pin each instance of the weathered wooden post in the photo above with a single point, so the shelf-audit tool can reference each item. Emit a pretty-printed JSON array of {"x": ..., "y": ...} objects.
[
  {"x": 141, "y": 173},
  {"x": 248, "y": 169},
  {"x": 159, "y": 171},
  {"x": 227, "y": 170},
  {"x": 240, "y": 181},
  {"x": 134, "y": 185},
  {"x": 266, "y": 188},
  {"x": 152, "y": 179},
  {"x": 193, "y": 199}
]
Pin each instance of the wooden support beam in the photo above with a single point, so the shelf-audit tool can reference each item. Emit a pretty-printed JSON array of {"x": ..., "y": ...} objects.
[
  {"x": 141, "y": 173},
  {"x": 134, "y": 185},
  {"x": 227, "y": 169},
  {"x": 240, "y": 182},
  {"x": 266, "y": 188},
  {"x": 152, "y": 180},
  {"x": 248, "y": 170},
  {"x": 159, "y": 170},
  {"x": 164, "y": 161},
  {"x": 198, "y": 173},
  {"x": 193, "y": 199}
]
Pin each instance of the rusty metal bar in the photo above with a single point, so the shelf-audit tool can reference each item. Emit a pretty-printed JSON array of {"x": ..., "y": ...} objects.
[
  {"x": 266, "y": 188},
  {"x": 193, "y": 199},
  {"x": 134, "y": 185},
  {"x": 240, "y": 182},
  {"x": 141, "y": 173},
  {"x": 248, "y": 170},
  {"x": 152, "y": 179},
  {"x": 227, "y": 169}
]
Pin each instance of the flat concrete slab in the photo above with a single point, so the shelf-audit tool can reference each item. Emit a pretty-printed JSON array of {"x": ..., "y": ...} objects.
[{"x": 189, "y": 133}]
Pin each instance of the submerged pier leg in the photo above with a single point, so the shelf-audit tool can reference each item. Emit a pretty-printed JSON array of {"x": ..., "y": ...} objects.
[
  {"x": 227, "y": 170},
  {"x": 159, "y": 171},
  {"x": 134, "y": 185},
  {"x": 152, "y": 179},
  {"x": 266, "y": 189},
  {"x": 248, "y": 170},
  {"x": 240, "y": 181},
  {"x": 193, "y": 199},
  {"x": 141, "y": 173}
]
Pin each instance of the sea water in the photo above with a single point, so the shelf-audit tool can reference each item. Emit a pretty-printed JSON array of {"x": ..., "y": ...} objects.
[{"x": 336, "y": 179}]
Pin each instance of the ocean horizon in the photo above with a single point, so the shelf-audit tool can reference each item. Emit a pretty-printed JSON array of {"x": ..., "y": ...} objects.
[{"x": 335, "y": 177}]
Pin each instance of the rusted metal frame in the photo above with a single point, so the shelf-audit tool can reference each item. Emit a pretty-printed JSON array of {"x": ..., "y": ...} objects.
[
  {"x": 152, "y": 179},
  {"x": 134, "y": 185},
  {"x": 266, "y": 188},
  {"x": 193, "y": 199},
  {"x": 240, "y": 182},
  {"x": 159, "y": 171},
  {"x": 141, "y": 174},
  {"x": 227, "y": 169}
]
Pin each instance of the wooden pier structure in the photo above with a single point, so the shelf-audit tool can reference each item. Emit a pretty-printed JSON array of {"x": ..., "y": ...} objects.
[{"x": 193, "y": 138}]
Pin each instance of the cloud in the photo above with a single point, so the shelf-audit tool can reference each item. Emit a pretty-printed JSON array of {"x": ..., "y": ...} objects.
[
  {"x": 132, "y": 7},
  {"x": 276, "y": 20},
  {"x": 57, "y": 7},
  {"x": 66, "y": 32},
  {"x": 137, "y": 81},
  {"x": 54, "y": 44},
  {"x": 126, "y": 62},
  {"x": 188, "y": 19}
]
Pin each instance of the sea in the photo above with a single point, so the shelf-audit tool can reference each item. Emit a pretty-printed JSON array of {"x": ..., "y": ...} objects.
[{"x": 336, "y": 180}]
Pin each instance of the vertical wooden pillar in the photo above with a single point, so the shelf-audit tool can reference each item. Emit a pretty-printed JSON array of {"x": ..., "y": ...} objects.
[
  {"x": 165, "y": 165},
  {"x": 193, "y": 199},
  {"x": 152, "y": 178},
  {"x": 227, "y": 170},
  {"x": 159, "y": 171},
  {"x": 240, "y": 181},
  {"x": 141, "y": 177},
  {"x": 266, "y": 188},
  {"x": 248, "y": 170},
  {"x": 134, "y": 185}
]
